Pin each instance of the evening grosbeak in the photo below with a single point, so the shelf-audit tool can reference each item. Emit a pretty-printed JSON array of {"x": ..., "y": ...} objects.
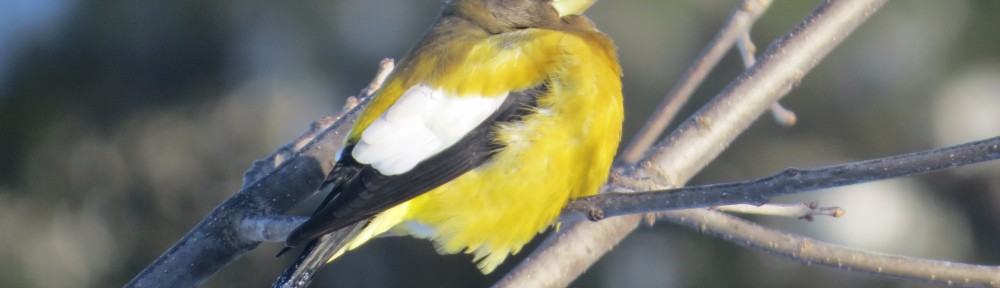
[{"x": 501, "y": 113}]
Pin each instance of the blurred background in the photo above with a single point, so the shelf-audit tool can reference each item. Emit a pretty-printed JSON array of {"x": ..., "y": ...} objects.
[{"x": 124, "y": 122}]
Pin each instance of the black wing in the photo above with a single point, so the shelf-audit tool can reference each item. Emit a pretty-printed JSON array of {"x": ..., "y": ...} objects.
[{"x": 362, "y": 192}]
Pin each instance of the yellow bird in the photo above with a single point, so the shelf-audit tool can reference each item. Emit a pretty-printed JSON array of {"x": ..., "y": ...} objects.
[{"x": 501, "y": 113}]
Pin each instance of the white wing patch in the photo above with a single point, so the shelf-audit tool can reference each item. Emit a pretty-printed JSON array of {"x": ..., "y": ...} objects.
[{"x": 422, "y": 122}]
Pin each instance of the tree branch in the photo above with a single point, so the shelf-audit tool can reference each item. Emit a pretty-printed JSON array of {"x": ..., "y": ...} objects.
[
  {"x": 810, "y": 251},
  {"x": 762, "y": 190},
  {"x": 273, "y": 186}
]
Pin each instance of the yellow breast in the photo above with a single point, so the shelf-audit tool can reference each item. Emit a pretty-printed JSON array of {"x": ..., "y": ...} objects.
[{"x": 562, "y": 150}]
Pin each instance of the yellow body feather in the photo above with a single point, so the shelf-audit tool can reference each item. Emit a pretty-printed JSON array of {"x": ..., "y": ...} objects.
[{"x": 560, "y": 151}]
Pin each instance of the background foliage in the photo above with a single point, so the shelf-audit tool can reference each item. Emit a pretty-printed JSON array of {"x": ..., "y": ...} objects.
[{"x": 122, "y": 123}]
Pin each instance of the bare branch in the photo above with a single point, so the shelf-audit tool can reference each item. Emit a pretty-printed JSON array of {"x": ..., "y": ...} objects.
[
  {"x": 762, "y": 190},
  {"x": 272, "y": 187},
  {"x": 810, "y": 251},
  {"x": 564, "y": 256}
]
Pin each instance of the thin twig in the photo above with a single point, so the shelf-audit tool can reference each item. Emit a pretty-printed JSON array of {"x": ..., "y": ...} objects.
[
  {"x": 564, "y": 256},
  {"x": 747, "y": 50},
  {"x": 738, "y": 24},
  {"x": 805, "y": 211}
]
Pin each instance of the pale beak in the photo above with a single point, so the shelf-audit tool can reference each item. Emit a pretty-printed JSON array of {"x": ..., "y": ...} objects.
[{"x": 571, "y": 7}]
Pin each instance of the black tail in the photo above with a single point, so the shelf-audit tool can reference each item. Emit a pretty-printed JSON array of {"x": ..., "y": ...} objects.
[
  {"x": 320, "y": 249},
  {"x": 283, "y": 280},
  {"x": 315, "y": 256}
]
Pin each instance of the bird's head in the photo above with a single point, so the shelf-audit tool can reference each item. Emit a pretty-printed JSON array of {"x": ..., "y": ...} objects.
[{"x": 506, "y": 15}]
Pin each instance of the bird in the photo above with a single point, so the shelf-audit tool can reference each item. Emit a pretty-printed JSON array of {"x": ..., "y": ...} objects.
[{"x": 502, "y": 112}]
